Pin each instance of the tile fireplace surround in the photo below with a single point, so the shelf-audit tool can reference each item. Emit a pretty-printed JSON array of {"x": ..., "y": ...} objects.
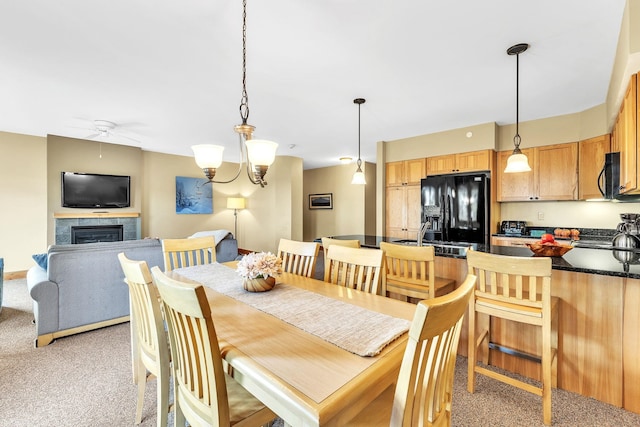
[{"x": 130, "y": 222}]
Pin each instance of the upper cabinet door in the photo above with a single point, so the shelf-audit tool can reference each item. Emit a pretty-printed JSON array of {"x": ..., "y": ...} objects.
[
  {"x": 590, "y": 162},
  {"x": 437, "y": 165},
  {"x": 557, "y": 171},
  {"x": 415, "y": 170},
  {"x": 474, "y": 161},
  {"x": 405, "y": 172},
  {"x": 515, "y": 186},
  {"x": 626, "y": 138},
  {"x": 395, "y": 174}
]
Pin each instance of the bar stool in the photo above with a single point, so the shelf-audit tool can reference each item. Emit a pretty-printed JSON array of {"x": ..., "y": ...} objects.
[
  {"x": 410, "y": 272},
  {"x": 515, "y": 289}
]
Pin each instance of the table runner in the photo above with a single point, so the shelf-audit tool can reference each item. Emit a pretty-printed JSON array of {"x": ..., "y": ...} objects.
[{"x": 350, "y": 327}]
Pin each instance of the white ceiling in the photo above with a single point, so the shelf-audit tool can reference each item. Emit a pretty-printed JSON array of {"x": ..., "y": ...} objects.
[{"x": 169, "y": 72}]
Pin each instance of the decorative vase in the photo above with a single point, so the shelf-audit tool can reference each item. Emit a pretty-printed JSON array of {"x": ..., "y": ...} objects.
[{"x": 259, "y": 284}]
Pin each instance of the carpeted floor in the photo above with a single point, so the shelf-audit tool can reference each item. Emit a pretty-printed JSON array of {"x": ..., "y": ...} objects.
[{"x": 85, "y": 380}]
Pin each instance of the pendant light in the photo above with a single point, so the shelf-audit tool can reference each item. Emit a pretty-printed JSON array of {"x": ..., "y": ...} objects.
[
  {"x": 358, "y": 176},
  {"x": 259, "y": 154},
  {"x": 517, "y": 161}
]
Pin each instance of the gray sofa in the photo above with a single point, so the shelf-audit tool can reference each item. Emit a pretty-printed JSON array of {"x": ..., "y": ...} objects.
[{"x": 83, "y": 286}]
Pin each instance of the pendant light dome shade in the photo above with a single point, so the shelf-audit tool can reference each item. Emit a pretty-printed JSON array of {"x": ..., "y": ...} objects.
[{"x": 517, "y": 161}]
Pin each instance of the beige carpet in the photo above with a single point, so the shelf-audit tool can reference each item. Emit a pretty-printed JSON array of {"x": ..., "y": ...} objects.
[{"x": 85, "y": 380}]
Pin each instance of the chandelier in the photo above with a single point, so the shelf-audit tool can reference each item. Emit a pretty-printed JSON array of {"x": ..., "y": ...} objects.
[
  {"x": 517, "y": 161},
  {"x": 258, "y": 154}
]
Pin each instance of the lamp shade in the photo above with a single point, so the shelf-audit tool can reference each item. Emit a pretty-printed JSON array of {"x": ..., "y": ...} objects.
[
  {"x": 261, "y": 152},
  {"x": 358, "y": 178},
  {"x": 517, "y": 162},
  {"x": 208, "y": 155},
  {"x": 235, "y": 202}
]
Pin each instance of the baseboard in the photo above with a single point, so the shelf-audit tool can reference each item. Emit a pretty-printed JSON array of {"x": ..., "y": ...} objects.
[{"x": 15, "y": 275}]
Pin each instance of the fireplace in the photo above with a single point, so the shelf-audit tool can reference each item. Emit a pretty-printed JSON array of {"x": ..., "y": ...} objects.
[{"x": 96, "y": 233}]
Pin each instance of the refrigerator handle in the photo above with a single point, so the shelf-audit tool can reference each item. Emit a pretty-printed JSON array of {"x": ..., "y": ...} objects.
[{"x": 449, "y": 209}]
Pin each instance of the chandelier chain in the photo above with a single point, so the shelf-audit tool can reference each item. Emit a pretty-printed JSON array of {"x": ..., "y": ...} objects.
[{"x": 244, "y": 101}]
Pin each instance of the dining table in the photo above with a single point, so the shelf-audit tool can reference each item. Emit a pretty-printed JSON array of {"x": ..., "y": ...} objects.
[{"x": 315, "y": 353}]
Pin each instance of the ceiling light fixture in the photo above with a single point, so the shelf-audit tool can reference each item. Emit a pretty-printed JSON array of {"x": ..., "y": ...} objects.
[
  {"x": 345, "y": 160},
  {"x": 259, "y": 153},
  {"x": 517, "y": 161},
  {"x": 358, "y": 176}
]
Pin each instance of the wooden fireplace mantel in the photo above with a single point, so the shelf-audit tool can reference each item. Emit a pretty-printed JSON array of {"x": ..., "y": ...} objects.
[{"x": 96, "y": 215}]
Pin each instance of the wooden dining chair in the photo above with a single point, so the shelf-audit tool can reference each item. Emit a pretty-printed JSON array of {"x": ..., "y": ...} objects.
[
  {"x": 187, "y": 252},
  {"x": 298, "y": 257},
  {"x": 204, "y": 395},
  {"x": 411, "y": 272},
  {"x": 423, "y": 393},
  {"x": 328, "y": 241},
  {"x": 151, "y": 357},
  {"x": 514, "y": 289},
  {"x": 356, "y": 268}
]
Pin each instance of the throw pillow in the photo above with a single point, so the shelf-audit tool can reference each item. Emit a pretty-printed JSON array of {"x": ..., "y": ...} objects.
[{"x": 41, "y": 260}]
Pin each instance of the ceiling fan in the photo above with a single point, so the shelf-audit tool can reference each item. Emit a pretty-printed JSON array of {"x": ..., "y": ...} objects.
[{"x": 105, "y": 130}]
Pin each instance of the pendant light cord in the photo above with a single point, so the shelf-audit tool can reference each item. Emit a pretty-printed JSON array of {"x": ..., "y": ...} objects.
[
  {"x": 359, "y": 162},
  {"x": 516, "y": 138}
]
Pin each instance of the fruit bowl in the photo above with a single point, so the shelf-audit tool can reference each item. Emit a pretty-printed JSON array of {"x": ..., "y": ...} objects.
[{"x": 546, "y": 249}]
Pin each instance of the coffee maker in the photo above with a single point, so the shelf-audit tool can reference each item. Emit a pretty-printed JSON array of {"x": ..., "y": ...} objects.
[{"x": 628, "y": 231}]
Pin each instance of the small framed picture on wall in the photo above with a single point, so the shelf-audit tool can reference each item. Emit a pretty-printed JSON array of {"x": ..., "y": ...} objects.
[{"x": 321, "y": 201}]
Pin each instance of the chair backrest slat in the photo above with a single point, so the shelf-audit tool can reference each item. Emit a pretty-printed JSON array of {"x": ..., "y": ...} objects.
[
  {"x": 188, "y": 252},
  {"x": 198, "y": 372},
  {"x": 424, "y": 389},
  {"x": 520, "y": 280},
  {"x": 356, "y": 268},
  {"x": 413, "y": 265},
  {"x": 298, "y": 257},
  {"x": 328, "y": 241}
]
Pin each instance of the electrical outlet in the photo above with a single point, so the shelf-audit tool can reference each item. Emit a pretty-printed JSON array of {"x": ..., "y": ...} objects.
[{"x": 540, "y": 216}]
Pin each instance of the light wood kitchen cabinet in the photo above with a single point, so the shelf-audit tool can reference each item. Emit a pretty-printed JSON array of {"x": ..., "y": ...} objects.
[
  {"x": 590, "y": 162},
  {"x": 625, "y": 138},
  {"x": 553, "y": 176},
  {"x": 403, "y": 211},
  {"x": 461, "y": 162},
  {"x": 405, "y": 172}
]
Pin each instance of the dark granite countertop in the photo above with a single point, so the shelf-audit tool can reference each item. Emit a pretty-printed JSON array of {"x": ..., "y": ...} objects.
[{"x": 583, "y": 260}]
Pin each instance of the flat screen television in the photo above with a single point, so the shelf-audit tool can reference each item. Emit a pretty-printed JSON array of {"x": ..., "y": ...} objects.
[{"x": 91, "y": 190}]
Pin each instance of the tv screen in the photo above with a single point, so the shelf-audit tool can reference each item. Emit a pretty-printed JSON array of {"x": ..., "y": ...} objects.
[{"x": 90, "y": 190}]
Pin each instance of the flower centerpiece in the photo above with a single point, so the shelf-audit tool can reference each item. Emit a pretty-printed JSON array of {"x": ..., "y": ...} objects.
[{"x": 259, "y": 271}]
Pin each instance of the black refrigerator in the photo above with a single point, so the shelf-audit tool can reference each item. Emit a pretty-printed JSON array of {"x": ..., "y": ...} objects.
[{"x": 456, "y": 207}]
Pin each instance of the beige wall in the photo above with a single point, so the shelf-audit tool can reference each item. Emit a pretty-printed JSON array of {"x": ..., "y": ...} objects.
[
  {"x": 30, "y": 189},
  {"x": 23, "y": 199},
  {"x": 353, "y": 205},
  {"x": 271, "y": 212},
  {"x": 447, "y": 142}
]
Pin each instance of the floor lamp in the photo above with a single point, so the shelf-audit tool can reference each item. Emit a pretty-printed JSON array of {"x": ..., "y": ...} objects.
[{"x": 235, "y": 203}]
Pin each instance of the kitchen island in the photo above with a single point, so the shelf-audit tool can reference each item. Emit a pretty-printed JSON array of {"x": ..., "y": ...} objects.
[{"x": 599, "y": 321}]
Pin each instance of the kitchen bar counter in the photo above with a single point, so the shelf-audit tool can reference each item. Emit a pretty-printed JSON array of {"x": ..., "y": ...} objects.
[
  {"x": 581, "y": 260},
  {"x": 598, "y": 325}
]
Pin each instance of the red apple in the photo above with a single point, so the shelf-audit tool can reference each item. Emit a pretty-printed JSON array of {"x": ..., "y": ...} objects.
[{"x": 547, "y": 238}]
